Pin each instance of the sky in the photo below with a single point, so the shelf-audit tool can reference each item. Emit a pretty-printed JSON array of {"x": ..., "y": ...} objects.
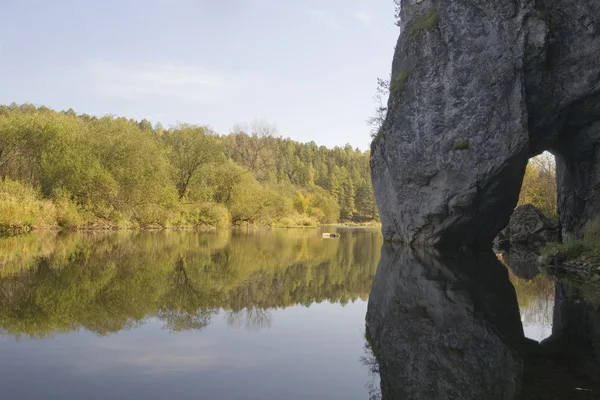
[{"x": 308, "y": 66}]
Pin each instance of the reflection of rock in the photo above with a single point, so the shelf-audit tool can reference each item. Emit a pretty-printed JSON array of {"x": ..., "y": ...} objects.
[
  {"x": 576, "y": 324},
  {"x": 522, "y": 261},
  {"x": 567, "y": 365},
  {"x": 528, "y": 226},
  {"x": 442, "y": 330}
]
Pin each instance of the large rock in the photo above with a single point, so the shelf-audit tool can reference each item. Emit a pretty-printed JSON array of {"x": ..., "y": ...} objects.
[
  {"x": 478, "y": 87},
  {"x": 529, "y": 226}
]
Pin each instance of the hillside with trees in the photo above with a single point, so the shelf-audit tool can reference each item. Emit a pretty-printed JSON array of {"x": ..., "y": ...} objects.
[{"x": 79, "y": 171}]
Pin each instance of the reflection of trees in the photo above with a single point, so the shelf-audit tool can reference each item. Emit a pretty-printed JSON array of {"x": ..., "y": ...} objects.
[
  {"x": 252, "y": 319},
  {"x": 183, "y": 307},
  {"x": 370, "y": 362},
  {"x": 536, "y": 300},
  {"x": 108, "y": 282}
]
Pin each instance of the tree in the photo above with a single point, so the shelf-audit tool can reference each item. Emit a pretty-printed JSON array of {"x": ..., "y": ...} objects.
[
  {"x": 381, "y": 94},
  {"x": 255, "y": 150},
  {"x": 190, "y": 149},
  {"x": 539, "y": 185}
]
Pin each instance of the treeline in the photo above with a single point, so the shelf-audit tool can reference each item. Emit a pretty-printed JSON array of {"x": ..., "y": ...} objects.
[
  {"x": 106, "y": 282},
  {"x": 60, "y": 168}
]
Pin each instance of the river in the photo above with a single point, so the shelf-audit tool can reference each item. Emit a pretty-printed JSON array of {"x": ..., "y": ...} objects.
[{"x": 266, "y": 314}]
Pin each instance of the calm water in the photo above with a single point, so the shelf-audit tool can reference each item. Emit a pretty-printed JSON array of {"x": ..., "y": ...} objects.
[{"x": 273, "y": 315}]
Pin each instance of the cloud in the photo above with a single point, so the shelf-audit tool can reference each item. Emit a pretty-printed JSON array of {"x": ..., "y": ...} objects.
[
  {"x": 364, "y": 18},
  {"x": 183, "y": 82},
  {"x": 325, "y": 19}
]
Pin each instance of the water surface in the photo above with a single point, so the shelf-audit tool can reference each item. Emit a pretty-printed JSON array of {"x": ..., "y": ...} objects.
[
  {"x": 179, "y": 315},
  {"x": 285, "y": 314}
]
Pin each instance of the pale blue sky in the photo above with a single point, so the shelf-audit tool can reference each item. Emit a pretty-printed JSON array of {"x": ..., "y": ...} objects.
[{"x": 308, "y": 66}]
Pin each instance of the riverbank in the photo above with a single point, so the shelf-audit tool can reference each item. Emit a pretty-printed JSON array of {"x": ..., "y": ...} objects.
[
  {"x": 15, "y": 230},
  {"x": 580, "y": 255}
]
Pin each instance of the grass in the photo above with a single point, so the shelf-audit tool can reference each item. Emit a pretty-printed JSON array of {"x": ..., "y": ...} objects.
[
  {"x": 399, "y": 81},
  {"x": 21, "y": 208},
  {"x": 376, "y": 140},
  {"x": 428, "y": 21},
  {"x": 587, "y": 246}
]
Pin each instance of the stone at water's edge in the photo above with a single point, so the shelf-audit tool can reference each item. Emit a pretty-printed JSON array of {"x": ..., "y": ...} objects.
[
  {"x": 477, "y": 88},
  {"x": 528, "y": 226}
]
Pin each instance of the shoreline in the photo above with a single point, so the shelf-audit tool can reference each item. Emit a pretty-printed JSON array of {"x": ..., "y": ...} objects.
[{"x": 25, "y": 229}]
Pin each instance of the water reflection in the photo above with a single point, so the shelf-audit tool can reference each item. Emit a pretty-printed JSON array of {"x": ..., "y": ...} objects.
[
  {"x": 264, "y": 315},
  {"x": 535, "y": 294},
  {"x": 450, "y": 328},
  {"x": 106, "y": 283}
]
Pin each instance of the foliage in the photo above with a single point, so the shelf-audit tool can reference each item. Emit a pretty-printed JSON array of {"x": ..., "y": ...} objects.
[
  {"x": 462, "y": 145},
  {"x": 22, "y": 206},
  {"x": 428, "y": 21},
  {"x": 380, "y": 98},
  {"x": 587, "y": 246},
  {"x": 539, "y": 185},
  {"x": 107, "y": 172},
  {"x": 398, "y": 82}
]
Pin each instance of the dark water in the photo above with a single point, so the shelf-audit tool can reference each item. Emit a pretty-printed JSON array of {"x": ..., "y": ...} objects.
[{"x": 283, "y": 315}]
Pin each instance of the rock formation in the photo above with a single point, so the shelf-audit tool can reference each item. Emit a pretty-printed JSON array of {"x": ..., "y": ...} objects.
[
  {"x": 478, "y": 87},
  {"x": 528, "y": 226}
]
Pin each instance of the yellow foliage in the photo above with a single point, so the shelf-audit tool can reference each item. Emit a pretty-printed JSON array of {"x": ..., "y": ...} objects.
[{"x": 539, "y": 185}]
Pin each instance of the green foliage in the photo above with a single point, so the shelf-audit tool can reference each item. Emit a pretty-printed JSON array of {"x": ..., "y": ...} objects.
[
  {"x": 591, "y": 239},
  {"x": 569, "y": 250},
  {"x": 376, "y": 140},
  {"x": 399, "y": 81},
  {"x": 207, "y": 215},
  {"x": 22, "y": 207},
  {"x": 116, "y": 172},
  {"x": 428, "y": 21},
  {"x": 587, "y": 246},
  {"x": 190, "y": 149},
  {"x": 462, "y": 145},
  {"x": 68, "y": 214}
]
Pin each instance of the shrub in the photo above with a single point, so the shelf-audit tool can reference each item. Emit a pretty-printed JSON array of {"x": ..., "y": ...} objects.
[
  {"x": 399, "y": 81},
  {"x": 68, "y": 214},
  {"x": 591, "y": 239},
  {"x": 208, "y": 214},
  {"x": 22, "y": 207},
  {"x": 376, "y": 140},
  {"x": 462, "y": 145},
  {"x": 428, "y": 21}
]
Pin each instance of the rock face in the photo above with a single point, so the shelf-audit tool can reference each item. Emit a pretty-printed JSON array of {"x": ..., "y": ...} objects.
[
  {"x": 528, "y": 226},
  {"x": 478, "y": 87}
]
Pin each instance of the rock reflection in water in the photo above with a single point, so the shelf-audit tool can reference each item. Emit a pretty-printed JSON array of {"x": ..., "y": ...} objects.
[{"x": 450, "y": 328}]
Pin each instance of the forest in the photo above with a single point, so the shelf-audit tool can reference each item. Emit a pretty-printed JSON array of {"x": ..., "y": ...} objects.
[{"x": 65, "y": 170}]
